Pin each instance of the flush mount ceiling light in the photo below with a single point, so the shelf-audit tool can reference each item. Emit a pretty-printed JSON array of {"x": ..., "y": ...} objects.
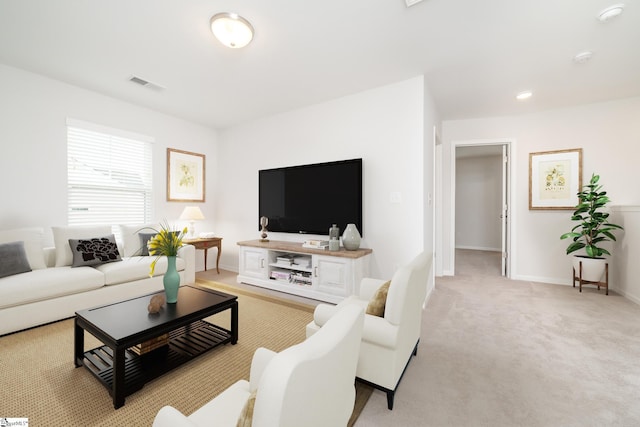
[
  {"x": 231, "y": 29},
  {"x": 524, "y": 95},
  {"x": 610, "y": 12}
]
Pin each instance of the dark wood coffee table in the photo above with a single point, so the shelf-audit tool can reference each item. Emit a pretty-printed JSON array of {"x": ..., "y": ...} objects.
[{"x": 126, "y": 324}]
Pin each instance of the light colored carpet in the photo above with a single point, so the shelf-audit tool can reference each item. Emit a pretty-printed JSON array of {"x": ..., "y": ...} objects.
[
  {"x": 38, "y": 379},
  {"x": 497, "y": 352}
]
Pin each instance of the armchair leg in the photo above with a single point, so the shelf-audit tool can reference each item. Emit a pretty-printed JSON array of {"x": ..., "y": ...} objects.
[{"x": 391, "y": 393}]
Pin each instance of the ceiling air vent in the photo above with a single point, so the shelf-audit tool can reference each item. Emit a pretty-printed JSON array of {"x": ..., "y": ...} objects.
[{"x": 145, "y": 83}]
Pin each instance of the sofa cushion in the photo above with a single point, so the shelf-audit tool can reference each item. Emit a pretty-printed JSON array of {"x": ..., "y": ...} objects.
[
  {"x": 61, "y": 236},
  {"x": 135, "y": 268},
  {"x": 47, "y": 283},
  {"x": 94, "y": 251},
  {"x": 377, "y": 304},
  {"x": 131, "y": 237},
  {"x": 33, "y": 244},
  {"x": 13, "y": 259}
]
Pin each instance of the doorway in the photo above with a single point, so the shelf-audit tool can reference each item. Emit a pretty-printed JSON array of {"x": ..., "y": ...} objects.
[{"x": 481, "y": 238}]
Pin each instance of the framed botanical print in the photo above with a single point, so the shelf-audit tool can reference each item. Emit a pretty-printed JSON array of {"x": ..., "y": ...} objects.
[
  {"x": 555, "y": 178},
  {"x": 185, "y": 176}
]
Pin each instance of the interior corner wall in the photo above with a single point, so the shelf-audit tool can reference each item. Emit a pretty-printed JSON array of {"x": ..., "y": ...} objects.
[
  {"x": 33, "y": 138},
  {"x": 383, "y": 126},
  {"x": 608, "y": 133},
  {"x": 431, "y": 126}
]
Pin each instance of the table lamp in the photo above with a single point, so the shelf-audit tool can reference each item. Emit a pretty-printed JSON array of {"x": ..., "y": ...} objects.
[{"x": 192, "y": 214}]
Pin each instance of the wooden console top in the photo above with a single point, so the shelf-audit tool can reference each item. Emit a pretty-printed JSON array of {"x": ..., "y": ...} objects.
[{"x": 276, "y": 245}]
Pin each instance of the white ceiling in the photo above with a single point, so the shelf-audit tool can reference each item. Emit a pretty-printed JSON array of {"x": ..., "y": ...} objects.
[{"x": 475, "y": 55}]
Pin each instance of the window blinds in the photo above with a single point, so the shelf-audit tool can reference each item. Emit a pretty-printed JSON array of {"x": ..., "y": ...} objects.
[{"x": 109, "y": 175}]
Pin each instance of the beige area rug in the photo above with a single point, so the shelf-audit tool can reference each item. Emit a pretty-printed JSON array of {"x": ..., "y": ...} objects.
[{"x": 38, "y": 379}]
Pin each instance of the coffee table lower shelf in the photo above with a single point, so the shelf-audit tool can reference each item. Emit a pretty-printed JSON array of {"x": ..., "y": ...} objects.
[{"x": 185, "y": 343}]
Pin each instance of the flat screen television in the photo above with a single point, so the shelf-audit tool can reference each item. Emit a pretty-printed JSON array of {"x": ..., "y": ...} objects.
[{"x": 308, "y": 199}]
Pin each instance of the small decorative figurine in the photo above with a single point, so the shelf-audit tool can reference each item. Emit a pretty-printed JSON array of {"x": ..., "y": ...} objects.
[
  {"x": 263, "y": 223},
  {"x": 156, "y": 303}
]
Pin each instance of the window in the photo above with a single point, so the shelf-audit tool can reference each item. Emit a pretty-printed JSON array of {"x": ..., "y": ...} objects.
[{"x": 109, "y": 175}]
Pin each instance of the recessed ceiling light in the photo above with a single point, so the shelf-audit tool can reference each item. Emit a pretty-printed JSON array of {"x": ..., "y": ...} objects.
[
  {"x": 610, "y": 12},
  {"x": 231, "y": 29},
  {"x": 524, "y": 95},
  {"x": 583, "y": 57}
]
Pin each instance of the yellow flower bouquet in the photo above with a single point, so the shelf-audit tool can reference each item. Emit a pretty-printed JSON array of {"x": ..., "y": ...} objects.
[{"x": 165, "y": 243}]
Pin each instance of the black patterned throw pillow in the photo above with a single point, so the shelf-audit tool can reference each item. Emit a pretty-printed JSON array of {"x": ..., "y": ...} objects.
[{"x": 94, "y": 251}]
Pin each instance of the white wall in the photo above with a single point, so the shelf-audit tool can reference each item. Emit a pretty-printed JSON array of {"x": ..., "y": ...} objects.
[
  {"x": 624, "y": 269},
  {"x": 607, "y": 132},
  {"x": 383, "y": 126},
  {"x": 431, "y": 126},
  {"x": 478, "y": 203},
  {"x": 33, "y": 113}
]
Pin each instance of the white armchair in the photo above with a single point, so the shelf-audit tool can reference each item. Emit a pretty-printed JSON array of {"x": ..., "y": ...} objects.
[
  {"x": 309, "y": 384},
  {"x": 387, "y": 342}
]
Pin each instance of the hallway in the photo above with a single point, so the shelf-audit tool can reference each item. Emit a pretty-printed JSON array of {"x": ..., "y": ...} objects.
[{"x": 471, "y": 262}]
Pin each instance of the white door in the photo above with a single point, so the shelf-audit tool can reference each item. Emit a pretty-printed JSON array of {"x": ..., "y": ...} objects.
[{"x": 504, "y": 216}]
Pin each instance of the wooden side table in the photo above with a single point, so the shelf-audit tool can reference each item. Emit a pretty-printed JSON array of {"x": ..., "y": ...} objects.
[{"x": 205, "y": 244}]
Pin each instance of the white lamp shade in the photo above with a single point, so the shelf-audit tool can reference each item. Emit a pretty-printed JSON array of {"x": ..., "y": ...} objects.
[
  {"x": 192, "y": 213},
  {"x": 231, "y": 30}
]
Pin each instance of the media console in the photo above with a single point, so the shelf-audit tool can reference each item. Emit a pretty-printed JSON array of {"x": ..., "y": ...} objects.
[{"x": 312, "y": 273}]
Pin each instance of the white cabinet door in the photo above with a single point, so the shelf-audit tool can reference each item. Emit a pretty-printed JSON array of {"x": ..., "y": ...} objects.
[
  {"x": 254, "y": 262},
  {"x": 333, "y": 275}
]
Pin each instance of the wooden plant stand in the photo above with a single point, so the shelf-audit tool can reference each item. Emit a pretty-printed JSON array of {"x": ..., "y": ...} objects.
[{"x": 581, "y": 281}]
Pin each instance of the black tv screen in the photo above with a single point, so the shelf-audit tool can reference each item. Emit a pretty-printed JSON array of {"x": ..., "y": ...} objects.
[{"x": 308, "y": 199}]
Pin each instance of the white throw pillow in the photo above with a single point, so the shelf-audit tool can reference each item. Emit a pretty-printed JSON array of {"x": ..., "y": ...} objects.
[
  {"x": 61, "y": 236},
  {"x": 33, "y": 244},
  {"x": 131, "y": 237}
]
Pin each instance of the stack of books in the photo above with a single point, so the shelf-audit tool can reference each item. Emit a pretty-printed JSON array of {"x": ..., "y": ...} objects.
[
  {"x": 300, "y": 278},
  {"x": 285, "y": 260},
  {"x": 280, "y": 275},
  {"x": 150, "y": 345},
  {"x": 316, "y": 244}
]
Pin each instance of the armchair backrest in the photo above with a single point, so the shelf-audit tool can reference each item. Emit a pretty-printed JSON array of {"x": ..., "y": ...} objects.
[
  {"x": 408, "y": 290},
  {"x": 312, "y": 383}
]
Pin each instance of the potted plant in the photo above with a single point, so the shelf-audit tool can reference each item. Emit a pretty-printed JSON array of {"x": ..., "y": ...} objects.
[{"x": 592, "y": 230}]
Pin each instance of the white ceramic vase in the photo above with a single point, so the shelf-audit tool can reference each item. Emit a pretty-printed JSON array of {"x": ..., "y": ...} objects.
[
  {"x": 592, "y": 268},
  {"x": 351, "y": 238}
]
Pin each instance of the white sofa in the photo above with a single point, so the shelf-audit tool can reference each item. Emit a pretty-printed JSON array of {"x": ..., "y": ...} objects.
[
  {"x": 310, "y": 384},
  {"x": 54, "y": 290},
  {"x": 388, "y": 342}
]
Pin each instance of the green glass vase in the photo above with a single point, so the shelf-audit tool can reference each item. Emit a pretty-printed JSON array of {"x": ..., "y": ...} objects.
[{"x": 171, "y": 281}]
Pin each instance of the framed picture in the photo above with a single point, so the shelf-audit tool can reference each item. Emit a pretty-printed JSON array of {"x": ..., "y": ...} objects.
[
  {"x": 555, "y": 177},
  {"x": 185, "y": 176}
]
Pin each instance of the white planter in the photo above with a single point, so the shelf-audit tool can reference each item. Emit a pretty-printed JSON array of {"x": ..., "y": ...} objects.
[{"x": 592, "y": 268}]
